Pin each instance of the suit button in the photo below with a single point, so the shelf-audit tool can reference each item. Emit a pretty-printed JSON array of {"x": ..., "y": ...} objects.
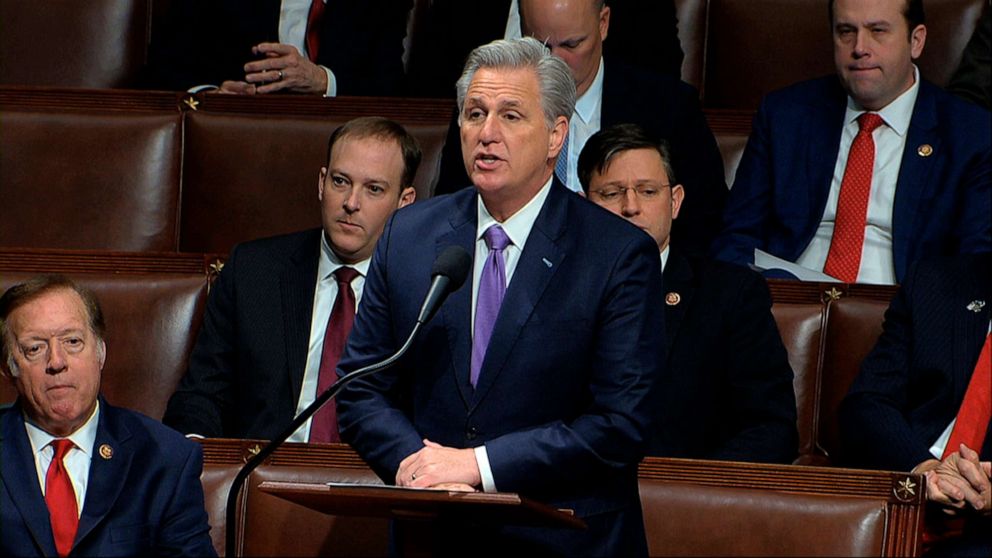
[{"x": 471, "y": 433}]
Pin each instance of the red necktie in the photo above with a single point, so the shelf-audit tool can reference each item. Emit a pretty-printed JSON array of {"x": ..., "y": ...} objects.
[
  {"x": 61, "y": 499},
  {"x": 324, "y": 426},
  {"x": 844, "y": 257},
  {"x": 976, "y": 409},
  {"x": 313, "y": 28}
]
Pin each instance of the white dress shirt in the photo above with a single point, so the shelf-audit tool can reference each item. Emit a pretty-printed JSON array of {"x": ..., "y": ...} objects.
[
  {"x": 513, "y": 30},
  {"x": 323, "y": 302},
  {"x": 877, "y": 263},
  {"x": 517, "y": 227},
  {"x": 76, "y": 460}
]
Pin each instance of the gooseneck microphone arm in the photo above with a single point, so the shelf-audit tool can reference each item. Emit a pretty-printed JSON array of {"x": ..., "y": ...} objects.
[{"x": 449, "y": 272}]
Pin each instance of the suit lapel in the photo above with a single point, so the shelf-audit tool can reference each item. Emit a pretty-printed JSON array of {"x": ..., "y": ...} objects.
[
  {"x": 538, "y": 263},
  {"x": 914, "y": 177},
  {"x": 456, "y": 312},
  {"x": 108, "y": 476},
  {"x": 678, "y": 279},
  {"x": 297, "y": 285},
  {"x": 20, "y": 479}
]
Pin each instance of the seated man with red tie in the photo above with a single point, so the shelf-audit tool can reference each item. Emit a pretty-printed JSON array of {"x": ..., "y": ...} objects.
[
  {"x": 278, "y": 316},
  {"x": 923, "y": 398},
  {"x": 79, "y": 476},
  {"x": 861, "y": 174}
]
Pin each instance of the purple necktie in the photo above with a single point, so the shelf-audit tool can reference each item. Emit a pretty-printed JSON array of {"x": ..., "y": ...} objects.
[{"x": 492, "y": 285}]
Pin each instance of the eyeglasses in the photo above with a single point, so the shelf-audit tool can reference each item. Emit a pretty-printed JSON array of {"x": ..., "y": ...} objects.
[{"x": 613, "y": 194}]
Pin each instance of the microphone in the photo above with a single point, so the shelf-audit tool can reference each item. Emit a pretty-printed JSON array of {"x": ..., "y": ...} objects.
[
  {"x": 449, "y": 272},
  {"x": 447, "y": 275}
]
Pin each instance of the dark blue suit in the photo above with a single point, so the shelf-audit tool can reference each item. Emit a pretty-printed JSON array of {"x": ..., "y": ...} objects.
[
  {"x": 943, "y": 202},
  {"x": 913, "y": 382},
  {"x": 144, "y": 500},
  {"x": 567, "y": 389}
]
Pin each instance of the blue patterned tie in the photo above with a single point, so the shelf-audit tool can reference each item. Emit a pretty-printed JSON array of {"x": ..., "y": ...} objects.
[
  {"x": 561, "y": 166},
  {"x": 492, "y": 286}
]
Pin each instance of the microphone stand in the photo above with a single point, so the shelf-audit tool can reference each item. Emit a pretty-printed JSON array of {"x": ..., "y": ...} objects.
[{"x": 256, "y": 460}]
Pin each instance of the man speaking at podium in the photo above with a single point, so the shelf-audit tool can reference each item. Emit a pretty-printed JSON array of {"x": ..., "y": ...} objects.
[{"x": 538, "y": 378}]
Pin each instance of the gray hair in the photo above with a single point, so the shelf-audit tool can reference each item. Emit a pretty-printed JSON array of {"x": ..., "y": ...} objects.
[{"x": 553, "y": 76}]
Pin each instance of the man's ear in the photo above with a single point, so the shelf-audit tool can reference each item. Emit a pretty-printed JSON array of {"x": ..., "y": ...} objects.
[
  {"x": 678, "y": 195},
  {"x": 320, "y": 183},
  {"x": 102, "y": 353},
  {"x": 557, "y": 137},
  {"x": 917, "y": 40},
  {"x": 604, "y": 23},
  {"x": 408, "y": 196}
]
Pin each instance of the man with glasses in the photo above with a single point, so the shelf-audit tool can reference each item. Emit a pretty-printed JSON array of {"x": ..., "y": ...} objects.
[{"x": 728, "y": 393}]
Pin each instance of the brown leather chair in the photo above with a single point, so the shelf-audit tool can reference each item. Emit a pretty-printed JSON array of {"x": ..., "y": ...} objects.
[
  {"x": 250, "y": 166},
  {"x": 854, "y": 324},
  {"x": 90, "y": 173},
  {"x": 153, "y": 305},
  {"x": 68, "y": 43},
  {"x": 712, "y": 508}
]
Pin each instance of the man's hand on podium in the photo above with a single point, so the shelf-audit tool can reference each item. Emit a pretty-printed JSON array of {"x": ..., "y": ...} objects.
[{"x": 436, "y": 466}]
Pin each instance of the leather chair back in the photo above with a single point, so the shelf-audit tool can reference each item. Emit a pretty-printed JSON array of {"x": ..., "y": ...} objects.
[
  {"x": 89, "y": 178},
  {"x": 71, "y": 43}
]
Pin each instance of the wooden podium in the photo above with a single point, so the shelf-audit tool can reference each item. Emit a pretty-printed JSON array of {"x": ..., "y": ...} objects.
[{"x": 418, "y": 511}]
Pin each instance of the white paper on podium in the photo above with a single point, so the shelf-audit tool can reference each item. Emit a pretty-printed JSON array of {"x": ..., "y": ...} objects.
[{"x": 763, "y": 261}]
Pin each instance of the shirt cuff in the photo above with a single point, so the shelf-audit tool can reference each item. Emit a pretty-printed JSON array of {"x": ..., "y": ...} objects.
[
  {"x": 485, "y": 471},
  {"x": 332, "y": 83},
  {"x": 193, "y": 436}
]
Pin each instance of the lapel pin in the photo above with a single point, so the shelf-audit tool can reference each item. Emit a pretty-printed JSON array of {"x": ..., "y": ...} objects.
[
  {"x": 546, "y": 262},
  {"x": 672, "y": 298},
  {"x": 925, "y": 150},
  {"x": 106, "y": 451},
  {"x": 976, "y": 305}
]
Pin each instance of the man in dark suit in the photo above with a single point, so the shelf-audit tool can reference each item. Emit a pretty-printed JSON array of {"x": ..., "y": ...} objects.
[
  {"x": 452, "y": 28},
  {"x": 862, "y": 174},
  {"x": 78, "y": 475},
  {"x": 335, "y": 47},
  {"x": 261, "y": 354},
  {"x": 908, "y": 401},
  {"x": 728, "y": 393},
  {"x": 612, "y": 92},
  {"x": 538, "y": 377}
]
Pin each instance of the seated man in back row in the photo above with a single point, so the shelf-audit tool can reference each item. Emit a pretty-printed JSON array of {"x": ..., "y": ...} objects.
[
  {"x": 79, "y": 475},
  {"x": 728, "y": 393},
  {"x": 278, "y": 317},
  {"x": 861, "y": 174}
]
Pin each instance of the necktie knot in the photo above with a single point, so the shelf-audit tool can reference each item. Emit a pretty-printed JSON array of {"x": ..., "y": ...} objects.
[
  {"x": 868, "y": 121},
  {"x": 496, "y": 238},
  {"x": 61, "y": 448},
  {"x": 345, "y": 275}
]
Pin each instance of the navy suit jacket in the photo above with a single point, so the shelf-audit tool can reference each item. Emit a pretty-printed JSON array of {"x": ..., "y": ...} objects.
[
  {"x": 209, "y": 42},
  {"x": 943, "y": 202},
  {"x": 567, "y": 389},
  {"x": 913, "y": 382},
  {"x": 729, "y": 392},
  {"x": 146, "y": 499},
  {"x": 246, "y": 370},
  {"x": 666, "y": 108}
]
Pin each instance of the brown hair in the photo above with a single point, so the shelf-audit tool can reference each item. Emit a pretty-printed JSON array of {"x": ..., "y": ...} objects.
[{"x": 386, "y": 129}]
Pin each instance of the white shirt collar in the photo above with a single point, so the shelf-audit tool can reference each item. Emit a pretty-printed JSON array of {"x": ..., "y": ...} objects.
[
  {"x": 664, "y": 257},
  {"x": 897, "y": 114},
  {"x": 518, "y": 225},
  {"x": 330, "y": 262},
  {"x": 84, "y": 437},
  {"x": 587, "y": 105}
]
